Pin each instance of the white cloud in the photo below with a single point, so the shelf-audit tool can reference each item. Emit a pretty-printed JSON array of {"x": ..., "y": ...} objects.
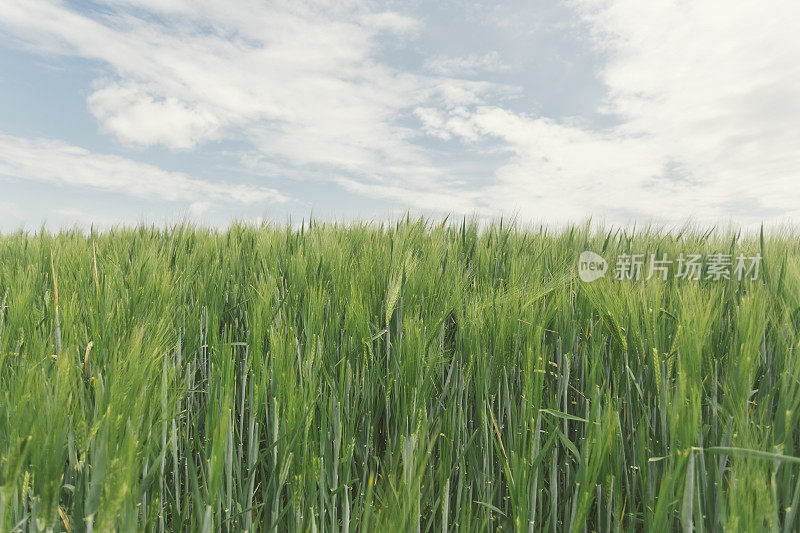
[
  {"x": 64, "y": 164},
  {"x": 706, "y": 95},
  {"x": 708, "y": 102},
  {"x": 301, "y": 81},
  {"x": 434, "y": 196},
  {"x": 140, "y": 116},
  {"x": 298, "y": 79},
  {"x": 466, "y": 65},
  {"x": 199, "y": 208}
]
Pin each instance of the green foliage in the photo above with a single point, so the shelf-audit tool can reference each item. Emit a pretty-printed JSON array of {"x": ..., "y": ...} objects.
[{"x": 393, "y": 378}]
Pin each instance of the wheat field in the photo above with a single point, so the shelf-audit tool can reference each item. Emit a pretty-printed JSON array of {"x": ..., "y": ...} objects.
[{"x": 412, "y": 376}]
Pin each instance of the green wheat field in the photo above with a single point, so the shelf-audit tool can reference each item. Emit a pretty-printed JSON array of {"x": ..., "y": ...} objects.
[{"x": 412, "y": 376}]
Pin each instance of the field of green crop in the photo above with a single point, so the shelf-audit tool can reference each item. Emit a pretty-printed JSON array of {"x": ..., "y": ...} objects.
[{"x": 415, "y": 376}]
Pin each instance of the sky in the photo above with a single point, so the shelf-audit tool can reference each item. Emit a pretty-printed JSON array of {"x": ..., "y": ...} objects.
[{"x": 628, "y": 112}]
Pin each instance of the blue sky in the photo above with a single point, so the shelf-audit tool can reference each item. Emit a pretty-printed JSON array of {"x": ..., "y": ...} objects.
[{"x": 622, "y": 110}]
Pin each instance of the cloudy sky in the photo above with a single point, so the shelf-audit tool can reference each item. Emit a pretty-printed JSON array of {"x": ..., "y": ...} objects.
[{"x": 550, "y": 111}]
